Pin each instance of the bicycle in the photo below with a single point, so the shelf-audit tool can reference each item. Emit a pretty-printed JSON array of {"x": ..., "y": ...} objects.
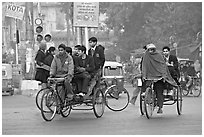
[
  {"x": 54, "y": 101},
  {"x": 149, "y": 100},
  {"x": 194, "y": 88}
]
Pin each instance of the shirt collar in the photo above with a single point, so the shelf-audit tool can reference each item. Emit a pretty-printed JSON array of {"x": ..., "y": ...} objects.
[{"x": 94, "y": 48}]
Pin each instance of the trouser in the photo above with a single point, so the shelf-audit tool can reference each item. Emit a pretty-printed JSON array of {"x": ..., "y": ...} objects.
[
  {"x": 82, "y": 80},
  {"x": 159, "y": 87},
  {"x": 68, "y": 87},
  {"x": 135, "y": 93},
  {"x": 67, "y": 90}
]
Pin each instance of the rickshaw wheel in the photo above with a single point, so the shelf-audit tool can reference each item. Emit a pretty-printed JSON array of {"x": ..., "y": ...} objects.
[
  {"x": 149, "y": 103},
  {"x": 179, "y": 100},
  {"x": 141, "y": 103},
  {"x": 48, "y": 105},
  {"x": 98, "y": 103},
  {"x": 116, "y": 99},
  {"x": 38, "y": 97}
]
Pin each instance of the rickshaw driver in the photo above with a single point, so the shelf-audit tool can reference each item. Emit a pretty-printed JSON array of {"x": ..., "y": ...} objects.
[
  {"x": 63, "y": 67},
  {"x": 155, "y": 68}
]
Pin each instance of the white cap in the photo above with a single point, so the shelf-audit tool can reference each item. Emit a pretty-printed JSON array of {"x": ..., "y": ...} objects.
[{"x": 149, "y": 46}]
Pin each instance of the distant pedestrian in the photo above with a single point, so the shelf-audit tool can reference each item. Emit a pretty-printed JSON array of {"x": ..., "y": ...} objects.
[
  {"x": 197, "y": 66},
  {"x": 48, "y": 60},
  {"x": 39, "y": 59},
  {"x": 137, "y": 75}
]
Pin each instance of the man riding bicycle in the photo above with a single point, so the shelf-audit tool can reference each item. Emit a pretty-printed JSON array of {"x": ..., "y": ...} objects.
[
  {"x": 155, "y": 68},
  {"x": 63, "y": 67}
]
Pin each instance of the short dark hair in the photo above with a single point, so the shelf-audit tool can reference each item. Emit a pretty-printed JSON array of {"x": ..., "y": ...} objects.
[
  {"x": 93, "y": 39},
  {"x": 62, "y": 46},
  {"x": 69, "y": 50},
  {"x": 144, "y": 47},
  {"x": 82, "y": 48},
  {"x": 51, "y": 49},
  {"x": 166, "y": 47},
  {"x": 77, "y": 46}
]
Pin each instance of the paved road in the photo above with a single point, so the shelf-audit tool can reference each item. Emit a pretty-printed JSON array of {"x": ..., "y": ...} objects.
[{"x": 21, "y": 117}]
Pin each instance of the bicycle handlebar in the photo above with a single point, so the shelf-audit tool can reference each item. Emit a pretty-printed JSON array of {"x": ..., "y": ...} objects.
[{"x": 56, "y": 79}]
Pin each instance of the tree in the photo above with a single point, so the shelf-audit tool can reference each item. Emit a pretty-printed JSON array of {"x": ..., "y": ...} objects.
[
  {"x": 154, "y": 22},
  {"x": 67, "y": 8}
]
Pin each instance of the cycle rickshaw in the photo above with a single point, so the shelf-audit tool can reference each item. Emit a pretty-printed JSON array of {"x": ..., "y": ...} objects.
[
  {"x": 148, "y": 100},
  {"x": 116, "y": 96},
  {"x": 194, "y": 81},
  {"x": 154, "y": 69},
  {"x": 54, "y": 101}
]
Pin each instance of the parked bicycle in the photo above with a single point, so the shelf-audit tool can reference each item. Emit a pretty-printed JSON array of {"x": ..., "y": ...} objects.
[{"x": 194, "y": 85}]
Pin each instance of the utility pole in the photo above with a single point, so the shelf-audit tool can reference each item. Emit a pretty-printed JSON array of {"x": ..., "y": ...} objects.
[
  {"x": 29, "y": 63},
  {"x": 79, "y": 34},
  {"x": 29, "y": 23}
]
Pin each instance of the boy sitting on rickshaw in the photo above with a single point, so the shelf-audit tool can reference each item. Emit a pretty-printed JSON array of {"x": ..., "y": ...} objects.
[
  {"x": 154, "y": 68},
  {"x": 84, "y": 69}
]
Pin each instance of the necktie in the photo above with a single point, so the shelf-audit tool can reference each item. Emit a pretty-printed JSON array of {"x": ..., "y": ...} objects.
[{"x": 92, "y": 52}]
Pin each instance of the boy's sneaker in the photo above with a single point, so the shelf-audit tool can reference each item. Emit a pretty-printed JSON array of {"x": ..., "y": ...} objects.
[
  {"x": 159, "y": 111},
  {"x": 171, "y": 93}
]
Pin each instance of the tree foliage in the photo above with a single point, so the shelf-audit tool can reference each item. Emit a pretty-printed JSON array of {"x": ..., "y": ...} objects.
[{"x": 153, "y": 22}]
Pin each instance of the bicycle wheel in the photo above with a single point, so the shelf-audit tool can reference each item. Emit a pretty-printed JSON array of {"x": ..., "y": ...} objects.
[
  {"x": 179, "y": 100},
  {"x": 196, "y": 88},
  {"x": 98, "y": 103},
  {"x": 141, "y": 102},
  {"x": 185, "y": 92},
  {"x": 49, "y": 105},
  {"x": 38, "y": 97},
  {"x": 116, "y": 100},
  {"x": 149, "y": 103}
]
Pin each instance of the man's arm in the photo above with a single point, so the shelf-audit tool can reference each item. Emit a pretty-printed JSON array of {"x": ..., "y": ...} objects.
[
  {"x": 176, "y": 64},
  {"x": 102, "y": 56},
  {"x": 91, "y": 65},
  {"x": 71, "y": 66},
  {"x": 53, "y": 67}
]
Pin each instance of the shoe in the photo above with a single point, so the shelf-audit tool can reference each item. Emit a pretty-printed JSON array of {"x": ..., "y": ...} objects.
[
  {"x": 81, "y": 94},
  {"x": 69, "y": 97},
  {"x": 143, "y": 94},
  {"x": 165, "y": 92},
  {"x": 160, "y": 111},
  {"x": 87, "y": 95},
  {"x": 171, "y": 93}
]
